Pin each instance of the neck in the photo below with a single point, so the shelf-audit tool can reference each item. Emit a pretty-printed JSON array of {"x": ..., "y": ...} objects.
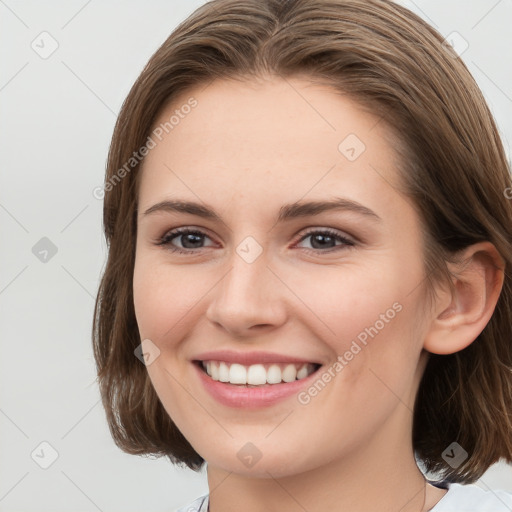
[{"x": 382, "y": 475}]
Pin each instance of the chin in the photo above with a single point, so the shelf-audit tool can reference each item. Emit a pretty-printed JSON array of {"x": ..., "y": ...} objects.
[{"x": 258, "y": 461}]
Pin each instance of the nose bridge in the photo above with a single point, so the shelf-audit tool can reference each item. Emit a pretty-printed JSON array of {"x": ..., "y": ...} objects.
[{"x": 248, "y": 294}]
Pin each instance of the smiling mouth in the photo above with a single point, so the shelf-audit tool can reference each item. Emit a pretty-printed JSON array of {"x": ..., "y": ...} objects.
[{"x": 257, "y": 374}]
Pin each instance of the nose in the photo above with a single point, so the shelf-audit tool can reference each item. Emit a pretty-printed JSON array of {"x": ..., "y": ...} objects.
[{"x": 248, "y": 300}]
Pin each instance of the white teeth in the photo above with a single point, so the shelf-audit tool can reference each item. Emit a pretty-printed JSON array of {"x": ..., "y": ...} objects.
[
  {"x": 237, "y": 374},
  {"x": 302, "y": 373},
  {"x": 290, "y": 373},
  {"x": 223, "y": 372},
  {"x": 274, "y": 374},
  {"x": 213, "y": 370},
  {"x": 257, "y": 374}
]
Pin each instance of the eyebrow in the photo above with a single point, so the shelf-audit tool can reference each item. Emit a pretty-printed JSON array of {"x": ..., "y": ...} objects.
[{"x": 286, "y": 212}]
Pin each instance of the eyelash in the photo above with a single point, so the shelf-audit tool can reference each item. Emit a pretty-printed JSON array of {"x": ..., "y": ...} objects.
[{"x": 168, "y": 237}]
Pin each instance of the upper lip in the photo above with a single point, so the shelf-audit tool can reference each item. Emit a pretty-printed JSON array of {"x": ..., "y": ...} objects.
[{"x": 249, "y": 358}]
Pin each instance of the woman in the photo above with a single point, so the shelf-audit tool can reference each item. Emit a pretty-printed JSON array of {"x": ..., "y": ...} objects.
[{"x": 310, "y": 251}]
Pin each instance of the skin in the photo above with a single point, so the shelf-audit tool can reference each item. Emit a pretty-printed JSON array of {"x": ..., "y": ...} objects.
[{"x": 246, "y": 150}]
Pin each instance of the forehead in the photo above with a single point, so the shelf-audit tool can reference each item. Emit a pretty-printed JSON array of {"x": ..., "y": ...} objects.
[
  {"x": 274, "y": 139},
  {"x": 292, "y": 108}
]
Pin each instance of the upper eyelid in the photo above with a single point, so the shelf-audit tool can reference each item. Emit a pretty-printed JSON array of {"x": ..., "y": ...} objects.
[{"x": 303, "y": 233}]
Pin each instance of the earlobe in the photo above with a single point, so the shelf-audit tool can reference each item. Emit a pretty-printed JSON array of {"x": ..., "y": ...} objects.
[{"x": 459, "y": 318}]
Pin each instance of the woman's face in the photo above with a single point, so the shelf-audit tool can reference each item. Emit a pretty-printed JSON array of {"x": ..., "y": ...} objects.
[{"x": 268, "y": 284}]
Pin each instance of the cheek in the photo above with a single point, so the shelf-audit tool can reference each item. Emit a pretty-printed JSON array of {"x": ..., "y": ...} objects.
[
  {"x": 146, "y": 298},
  {"x": 369, "y": 319},
  {"x": 163, "y": 297},
  {"x": 348, "y": 301},
  {"x": 162, "y": 300}
]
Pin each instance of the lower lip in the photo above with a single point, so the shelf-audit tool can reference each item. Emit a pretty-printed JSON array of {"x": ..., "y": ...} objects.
[{"x": 240, "y": 396}]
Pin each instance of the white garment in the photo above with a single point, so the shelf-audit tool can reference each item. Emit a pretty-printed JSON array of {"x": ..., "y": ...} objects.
[
  {"x": 471, "y": 498},
  {"x": 198, "y": 505},
  {"x": 459, "y": 498}
]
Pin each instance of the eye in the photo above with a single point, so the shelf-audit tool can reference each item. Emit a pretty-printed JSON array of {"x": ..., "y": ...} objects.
[
  {"x": 322, "y": 239},
  {"x": 190, "y": 239}
]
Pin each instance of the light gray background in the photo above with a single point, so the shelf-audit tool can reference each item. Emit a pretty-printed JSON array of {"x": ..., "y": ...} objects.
[{"x": 58, "y": 114}]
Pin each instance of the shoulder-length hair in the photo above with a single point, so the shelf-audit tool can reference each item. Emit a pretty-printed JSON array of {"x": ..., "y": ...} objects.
[{"x": 453, "y": 167}]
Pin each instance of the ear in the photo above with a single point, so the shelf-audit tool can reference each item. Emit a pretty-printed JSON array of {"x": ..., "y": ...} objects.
[{"x": 458, "y": 319}]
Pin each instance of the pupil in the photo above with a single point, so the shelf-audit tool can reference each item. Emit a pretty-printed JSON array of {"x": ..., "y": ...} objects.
[
  {"x": 322, "y": 238},
  {"x": 188, "y": 237}
]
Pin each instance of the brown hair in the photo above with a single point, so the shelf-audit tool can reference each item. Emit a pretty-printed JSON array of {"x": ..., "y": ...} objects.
[{"x": 453, "y": 166}]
